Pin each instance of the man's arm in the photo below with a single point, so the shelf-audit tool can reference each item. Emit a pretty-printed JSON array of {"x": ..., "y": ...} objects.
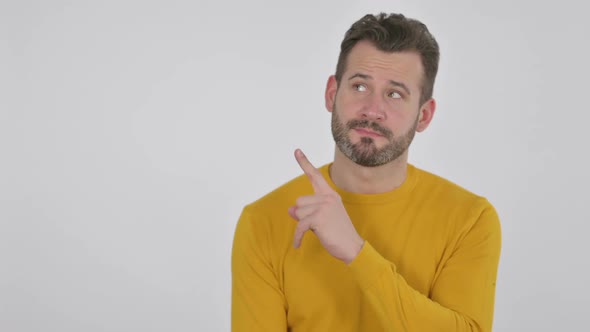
[
  {"x": 258, "y": 304},
  {"x": 462, "y": 296}
]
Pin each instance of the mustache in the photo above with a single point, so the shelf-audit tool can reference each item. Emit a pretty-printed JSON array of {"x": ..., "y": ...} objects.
[{"x": 352, "y": 124}]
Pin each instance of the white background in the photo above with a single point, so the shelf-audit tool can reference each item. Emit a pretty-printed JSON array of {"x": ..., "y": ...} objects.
[{"x": 132, "y": 133}]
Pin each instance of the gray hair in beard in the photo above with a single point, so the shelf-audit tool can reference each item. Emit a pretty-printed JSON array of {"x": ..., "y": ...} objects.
[{"x": 365, "y": 152}]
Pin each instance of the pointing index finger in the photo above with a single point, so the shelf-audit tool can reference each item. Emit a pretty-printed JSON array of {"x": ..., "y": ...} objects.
[{"x": 315, "y": 176}]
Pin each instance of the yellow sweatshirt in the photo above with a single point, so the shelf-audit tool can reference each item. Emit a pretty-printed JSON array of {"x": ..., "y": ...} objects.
[{"x": 429, "y": 262}]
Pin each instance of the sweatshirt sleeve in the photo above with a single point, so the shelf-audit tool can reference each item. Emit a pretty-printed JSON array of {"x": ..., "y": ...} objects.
[
  {"x": 461, "y": 297},
  {"x": 258, "y": 304}
]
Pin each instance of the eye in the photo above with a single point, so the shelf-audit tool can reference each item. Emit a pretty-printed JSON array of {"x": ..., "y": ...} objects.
[
  {"x": 394, "y": 95},
  {"x": 359, "y": 87}
]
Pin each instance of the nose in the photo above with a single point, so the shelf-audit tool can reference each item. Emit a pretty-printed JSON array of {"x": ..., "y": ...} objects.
[{"x": 374, "y": 110}]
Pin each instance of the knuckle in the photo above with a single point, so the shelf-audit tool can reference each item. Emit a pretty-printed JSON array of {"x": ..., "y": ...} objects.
[
  {"x": 300, "y": 228},
  {"x": 300, "y": 214},
  {"x": 300, "y": 201},
  {"x": 331, "y": 198}
]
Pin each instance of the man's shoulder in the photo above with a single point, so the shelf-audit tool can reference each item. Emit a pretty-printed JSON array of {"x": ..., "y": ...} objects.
[
  {"x": 282, "y": 197},
  {"x": 463, "y": 207},
  {"x": 435, "y": 185}
]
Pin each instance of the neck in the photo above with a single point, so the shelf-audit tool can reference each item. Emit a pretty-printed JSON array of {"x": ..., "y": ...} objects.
[{"x": 355, "y": 178}]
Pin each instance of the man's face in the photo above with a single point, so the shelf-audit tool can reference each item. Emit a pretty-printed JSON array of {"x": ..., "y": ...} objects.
[
  {"x": 375, "y": 109},
  {"x": 365, "y": 151}
]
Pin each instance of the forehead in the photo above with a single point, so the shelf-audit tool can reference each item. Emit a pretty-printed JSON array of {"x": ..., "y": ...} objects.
[{"x": 403, "y": 66}]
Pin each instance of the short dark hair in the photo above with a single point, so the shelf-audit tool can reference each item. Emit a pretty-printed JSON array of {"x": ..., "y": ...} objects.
[{"x": 394, "y": 33}]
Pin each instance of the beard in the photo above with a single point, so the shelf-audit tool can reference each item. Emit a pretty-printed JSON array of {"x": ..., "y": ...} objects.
[{"x": 365, "y": 152}]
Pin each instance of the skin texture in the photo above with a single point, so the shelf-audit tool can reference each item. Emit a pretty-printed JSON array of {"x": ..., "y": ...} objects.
[{"x": 375, "y": 113}]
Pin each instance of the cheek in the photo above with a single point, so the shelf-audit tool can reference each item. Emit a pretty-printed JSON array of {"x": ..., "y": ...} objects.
[
  {"x": 347, "y": 109},
  {"x": 397, "y": 115},
  {"x": 348, "y": 102},
  {"x": 400, "y": 121}
]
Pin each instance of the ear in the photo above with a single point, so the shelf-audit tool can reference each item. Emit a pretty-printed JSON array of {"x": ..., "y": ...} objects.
[
  {"x": 330, "y": 95},
  {"x": 426, "y": 114}
]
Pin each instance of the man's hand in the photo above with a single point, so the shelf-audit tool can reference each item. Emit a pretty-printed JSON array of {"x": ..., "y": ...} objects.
[{"x": 324, "y": 214}]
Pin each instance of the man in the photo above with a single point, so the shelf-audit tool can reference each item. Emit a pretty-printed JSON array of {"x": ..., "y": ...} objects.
[{"x": 369, "y": 242}]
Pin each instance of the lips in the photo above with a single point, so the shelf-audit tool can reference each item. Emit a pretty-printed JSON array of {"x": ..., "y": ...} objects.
[{"x": 367, "y": 132}]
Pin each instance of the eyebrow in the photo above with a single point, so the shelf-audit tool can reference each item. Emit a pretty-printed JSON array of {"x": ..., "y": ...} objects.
[{"x": 392, "y": 82}]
